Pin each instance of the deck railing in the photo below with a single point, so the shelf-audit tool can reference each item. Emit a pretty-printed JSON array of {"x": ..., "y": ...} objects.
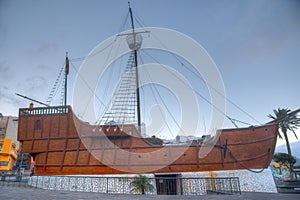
[{"x": 44, "y": 110}]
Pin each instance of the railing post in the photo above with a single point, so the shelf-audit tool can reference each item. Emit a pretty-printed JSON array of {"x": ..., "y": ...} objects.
[
  {"x": 69, "y": 183},
  {"x": 36, "y": 179},
  {"x": 92, "y": 183},
  {"x": 123, "y": 185},
  {"x": 107, "y": 185},
  {"x": 76, "y": 185},
  {"x": 239, "y": 188},
  {"x": 231, "y": 188}
]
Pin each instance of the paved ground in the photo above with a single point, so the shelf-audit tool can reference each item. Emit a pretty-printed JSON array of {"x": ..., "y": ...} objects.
[{"x": 22, "y": 193}]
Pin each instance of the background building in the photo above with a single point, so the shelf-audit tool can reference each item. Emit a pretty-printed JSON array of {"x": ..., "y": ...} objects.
[{"x": 8, "y": 142}]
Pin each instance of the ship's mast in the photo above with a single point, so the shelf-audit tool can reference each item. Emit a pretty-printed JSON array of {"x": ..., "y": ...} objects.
[
  {"x": 66, "y": 78},
  {"x": 135, "y": 49}
]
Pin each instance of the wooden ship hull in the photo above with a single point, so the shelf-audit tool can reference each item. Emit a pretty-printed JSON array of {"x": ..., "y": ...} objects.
[{"x": 61, "y": 144}]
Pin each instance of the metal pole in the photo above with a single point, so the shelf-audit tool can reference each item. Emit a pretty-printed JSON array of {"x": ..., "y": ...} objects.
[
  {"x": 66, "y": 75},
  {"x": 136, "y": 72},
  {"x": 32, "y": 100}
]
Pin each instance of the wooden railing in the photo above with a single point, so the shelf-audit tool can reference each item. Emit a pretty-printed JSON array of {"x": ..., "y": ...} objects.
[{"x": 44, "y": 111}]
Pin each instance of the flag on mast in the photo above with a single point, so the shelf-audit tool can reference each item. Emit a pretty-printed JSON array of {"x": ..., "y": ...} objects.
[{"x": 67, "y": 65}]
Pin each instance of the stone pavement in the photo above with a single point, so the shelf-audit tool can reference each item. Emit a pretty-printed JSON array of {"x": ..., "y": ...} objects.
[{"x": 22, "y": 193}]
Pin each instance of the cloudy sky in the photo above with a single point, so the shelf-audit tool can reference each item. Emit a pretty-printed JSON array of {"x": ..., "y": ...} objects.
[{"x": 255, "y": 44}]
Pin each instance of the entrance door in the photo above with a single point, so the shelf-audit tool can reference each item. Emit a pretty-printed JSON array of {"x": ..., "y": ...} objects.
[{"x": 166, "y": 184}]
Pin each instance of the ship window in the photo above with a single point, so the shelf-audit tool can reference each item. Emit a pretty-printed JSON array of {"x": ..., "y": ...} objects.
[
  {"x": 38, "y": 124},
  {"x": 1, "y": 144}
]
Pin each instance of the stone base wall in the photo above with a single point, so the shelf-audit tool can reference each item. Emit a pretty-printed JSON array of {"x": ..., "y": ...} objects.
[
  {"x": 120, "y": 184},
  {"x": 249, "y": 181}
]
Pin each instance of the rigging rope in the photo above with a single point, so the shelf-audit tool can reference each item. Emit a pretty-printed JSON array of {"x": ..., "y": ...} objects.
[
  {"x": 156, "y": 100},
  {"x": 244, "y": 166},
  {"x": 205, "y": 99},
  {"x": 85, "y": 82},
  {"x": 91, "y": 55},
  {"x": 124, "y": 22},
  {"x": 122, "y": 103},
  {"x": 139, "y": 21},
  {"x": 57, "y": 82},
  {"x": 94, "y": 54},
  {"x": 235, "y": 105},
  {"x": 136, "y": 17},
  {"x": 62, "y": 92},
  {"x": 231, "y": 102}
]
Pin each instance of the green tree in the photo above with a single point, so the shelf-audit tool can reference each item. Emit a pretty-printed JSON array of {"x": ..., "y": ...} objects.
[
  {"x": 284, "y": 159},
  {"x": 288, "y": 121},
  {"x": 141, "y": 184}
]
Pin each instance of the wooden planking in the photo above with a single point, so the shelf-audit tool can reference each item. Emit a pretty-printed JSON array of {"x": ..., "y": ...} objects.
[
  {"x": 83, "y": 158},
  {"x": 40, "y": 159},
  {"x": 55, "y": 127},
  {"x": 54, "y": 158},
  {"x": 58, "y": 147},
  {"x": 69, "y": 158},
  {"x": 57, "y": 144},
  {"x": 39, "y": 146},
  {"x": 49, "y": 121},
  {"x": 66, "y": 122},
  {"x": 77, "y": 151},
  {"x": 26, "y": 146}
]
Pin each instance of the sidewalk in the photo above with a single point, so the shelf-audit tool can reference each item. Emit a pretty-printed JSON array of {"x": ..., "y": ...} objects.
[{"x": 32, "y": 193}]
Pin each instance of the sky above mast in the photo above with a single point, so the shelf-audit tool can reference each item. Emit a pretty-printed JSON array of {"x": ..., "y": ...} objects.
[{"x": 255, "y": 45}]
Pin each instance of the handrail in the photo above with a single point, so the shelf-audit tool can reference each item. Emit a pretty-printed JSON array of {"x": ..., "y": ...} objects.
[{"x": 54, "y": 110}]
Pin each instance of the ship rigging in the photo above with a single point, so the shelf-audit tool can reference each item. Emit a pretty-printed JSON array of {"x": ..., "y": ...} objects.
[{"x": 61, "y": 143}]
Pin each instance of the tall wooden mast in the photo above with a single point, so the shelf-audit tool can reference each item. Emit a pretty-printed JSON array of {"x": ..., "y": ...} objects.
[
  {"x": 135, "y": 49},
  {"x": 66, "y": 78}
]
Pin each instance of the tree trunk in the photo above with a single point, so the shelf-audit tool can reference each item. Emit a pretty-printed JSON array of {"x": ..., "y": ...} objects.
[
  {"x": 289, "y": 150},
  {"x": 143, "y": 190}
]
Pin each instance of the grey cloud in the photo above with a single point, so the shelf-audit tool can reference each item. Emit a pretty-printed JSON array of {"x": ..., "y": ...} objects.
[
  {"x": 5, "y": 72},
  {"x": 46, "y": 47},
  {"x": 271, "y": 29},
  {"x": 32, "y": 85},
  {"x": 9, "y": 97},
  {"x": 44, "y": 67},
  {"x": 42, "y": 48}
]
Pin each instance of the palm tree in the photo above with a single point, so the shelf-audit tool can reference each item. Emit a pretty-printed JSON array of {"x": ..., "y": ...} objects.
[
  {"x": 288, "y": 121},
  {"x": 141, "y": 184}
]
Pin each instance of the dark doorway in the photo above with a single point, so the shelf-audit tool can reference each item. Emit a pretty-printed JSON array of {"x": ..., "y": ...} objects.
[{"x": 166, "y": 184}]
